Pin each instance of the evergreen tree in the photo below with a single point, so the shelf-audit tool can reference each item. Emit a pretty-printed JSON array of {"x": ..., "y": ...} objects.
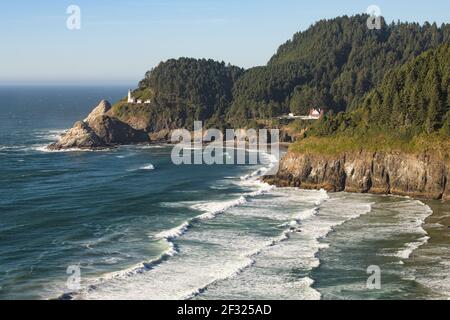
[
  {"x": 435, "y": 102},
  {"x": 339, "y": 57},
  {"x": 419, "y": 104}
]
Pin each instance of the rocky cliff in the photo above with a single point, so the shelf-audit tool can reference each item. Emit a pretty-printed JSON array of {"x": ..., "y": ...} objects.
[
  {"x": 423, "y": 176},
  {"x": 99, "y": 130}
]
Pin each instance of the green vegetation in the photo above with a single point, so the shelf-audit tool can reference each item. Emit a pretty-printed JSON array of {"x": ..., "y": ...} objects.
[
  {"x": 181, "y": 92},
  {"x": 125, "y": 111},
  {"x": 385, "y": 89},
  {"x": 262, "y": 92},
  {"x": 409, "y": 112},
  {"x": 333, "y": 64},
  {"x": 338, "y": 144}
]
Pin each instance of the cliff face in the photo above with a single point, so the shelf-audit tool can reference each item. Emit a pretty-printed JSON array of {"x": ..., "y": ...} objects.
[
  {"x": 99, "y": 130},
  {"x": 423, "y": 176}
]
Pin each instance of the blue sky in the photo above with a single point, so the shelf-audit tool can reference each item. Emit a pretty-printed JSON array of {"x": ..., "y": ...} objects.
[{"x": 120, "y": 40}]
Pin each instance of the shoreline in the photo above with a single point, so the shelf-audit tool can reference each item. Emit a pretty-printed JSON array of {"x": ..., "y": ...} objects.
[
  {"x": 433, "y": 236},
  {"x": 419, "y": 176}
]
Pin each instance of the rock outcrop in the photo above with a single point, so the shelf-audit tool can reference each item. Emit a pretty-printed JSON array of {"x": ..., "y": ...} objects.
[
  {"x": 99, "y": 130},
  {"x": 102, "y": 109},
  {"x": 81, "y": 136},
  {"x": 423, "y": 176}
]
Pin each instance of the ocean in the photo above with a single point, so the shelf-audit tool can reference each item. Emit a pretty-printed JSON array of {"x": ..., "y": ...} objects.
[{"x": 136, "y": 226}]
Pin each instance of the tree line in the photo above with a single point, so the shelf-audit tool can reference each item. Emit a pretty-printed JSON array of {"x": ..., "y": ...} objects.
[{"x": 335, "y": 64}]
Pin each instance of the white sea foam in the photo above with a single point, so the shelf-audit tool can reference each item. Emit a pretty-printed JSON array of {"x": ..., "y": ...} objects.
[
  {"x": 125, "y": 156},
  {"x": 220, "y": 271},
  {"x": 149, "y": 147},
  {"x": 295, "y": 249},
  {"x": 49, "y": 135},
  {"x": 229, "y": 262},
  {"x": 304, "y": 215},
  {"x": 219, "y": 187},
  {"x": 131, "y": 271},
  {"x": 394, "y": 230},
  {"x": 411, "y": 215},
  {"x": 179, "y": 204},
  {"x": 175, "y": 232},
  {"x": 269, "y": 160},
  {"x": 212, "y": 209},
  {"x": 148, "y": 167},
  {"x": 225, "y": 262},
  {"x": 44, "y": 148},
  {"x": 406, "y": 253}
]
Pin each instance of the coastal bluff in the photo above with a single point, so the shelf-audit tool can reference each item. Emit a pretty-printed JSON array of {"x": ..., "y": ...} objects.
[
  {"x": 415, "y": 175},
  {"x": 99, "y": 130}
]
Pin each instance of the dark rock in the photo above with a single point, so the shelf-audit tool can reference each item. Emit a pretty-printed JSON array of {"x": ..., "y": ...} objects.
[
  {"x": 160, "y": 136},
  {"x": 81, "y": 136},
  {"x": 415, "y": 175},
  {"x": 99, "y": 130},
  {"x": 115, "y": 132}
]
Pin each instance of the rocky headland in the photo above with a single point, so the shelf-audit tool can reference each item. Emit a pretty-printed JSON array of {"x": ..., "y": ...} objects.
[
  {"x": 396, "y": 173},
  {"x": 99, "y": 130}
]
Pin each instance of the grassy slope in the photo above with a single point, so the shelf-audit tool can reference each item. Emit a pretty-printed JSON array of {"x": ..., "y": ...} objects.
[
  {"x": 124, "y": 110},
  {"x": 436, "y": 144}
]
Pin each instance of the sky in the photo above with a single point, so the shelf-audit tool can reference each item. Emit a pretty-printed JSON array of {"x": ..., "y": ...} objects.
[{"x": 118, "y": 41}]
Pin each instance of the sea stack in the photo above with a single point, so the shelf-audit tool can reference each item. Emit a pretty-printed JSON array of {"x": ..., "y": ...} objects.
[{"x": 99, "y": 130}]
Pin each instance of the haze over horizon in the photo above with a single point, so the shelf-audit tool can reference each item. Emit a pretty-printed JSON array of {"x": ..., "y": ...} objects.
[{"x": 119, "y": 42}]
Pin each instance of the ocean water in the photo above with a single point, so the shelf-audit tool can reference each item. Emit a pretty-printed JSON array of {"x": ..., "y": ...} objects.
[{"x": 139, "y": 227}]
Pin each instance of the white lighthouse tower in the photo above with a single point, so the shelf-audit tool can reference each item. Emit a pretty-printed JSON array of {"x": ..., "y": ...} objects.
[{"x": 130, "y": 98}]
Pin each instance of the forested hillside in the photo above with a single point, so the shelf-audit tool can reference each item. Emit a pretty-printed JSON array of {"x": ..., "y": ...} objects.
[
  {"x": 182, "y": 91},
  {"x": 333, "y": 64},
  {"x": 409, "y": 110},
  {"x": 413, "y": 99}
]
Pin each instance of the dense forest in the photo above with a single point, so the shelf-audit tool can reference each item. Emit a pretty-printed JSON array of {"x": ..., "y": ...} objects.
[
  {"x": 182, "y": 91},
  {"x": 332, "y": 65},
  {"x": 409, "y": 111},
  {"x": 412, "y": 99}
]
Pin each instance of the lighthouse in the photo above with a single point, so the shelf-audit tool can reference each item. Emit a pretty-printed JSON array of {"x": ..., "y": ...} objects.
[{"x": 130, "y": 98}]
